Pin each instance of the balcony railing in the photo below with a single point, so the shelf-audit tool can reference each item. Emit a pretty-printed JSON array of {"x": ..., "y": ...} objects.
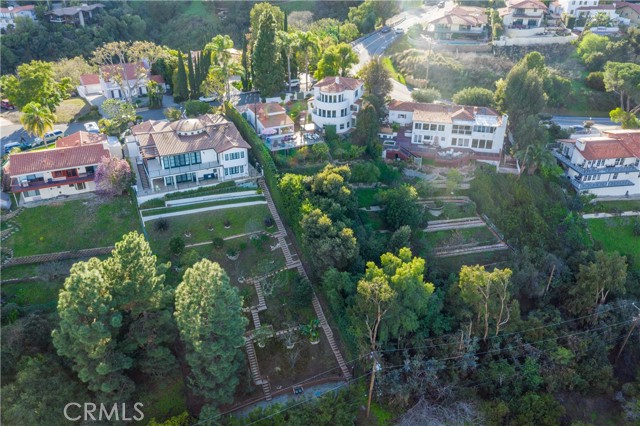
[
  {"x": 584, "y": 186},
  {"x": 41, "y": 183},
  {"x": 630, "y": 168},
  {"x": 154, "y": 170}
]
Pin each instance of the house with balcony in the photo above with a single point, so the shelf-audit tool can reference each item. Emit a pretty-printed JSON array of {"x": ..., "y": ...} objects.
[
  {"x": 117, "y": 81},
  {"x": 629, "y": 11},
  {"x": 466, "y": 22},
  {"x": 454, "y": 128},
  {"x": 271, "y": 122},
  {"x": 9, "y": 14},
  {"x": 74, "y": 15},
  {"x": 606, "y": 165},
  {"x": 67, "y": 169},
  {"x": 523, "y": 18},
  {"x": 336, "y": 102},
  {"x": 187, "y": 153}
]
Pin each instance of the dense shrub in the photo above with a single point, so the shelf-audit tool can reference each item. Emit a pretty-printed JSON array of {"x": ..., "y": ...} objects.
[
  {"x": 176, "y": 245},
  {"x": 161, "y": 225},
  {"x": 595, "y": 80},
  {"x": 425, "y": 95}
]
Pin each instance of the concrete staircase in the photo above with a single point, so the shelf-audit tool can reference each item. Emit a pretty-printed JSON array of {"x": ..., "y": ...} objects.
[
  {"x": 144, "y": 179},
  {"x": 256, "y": 318}
]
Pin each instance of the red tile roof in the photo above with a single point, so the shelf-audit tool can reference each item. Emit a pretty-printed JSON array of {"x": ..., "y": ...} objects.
[
  {"x": 55, "y": 159},
  {"x": 633, "y": 6},
  {"x": 271, "y": 115},
  {"x": 462, "y": 15},
  {"x": 157, "y": 78},
  {"x": 87, "y": 79},
  {"x": 338, "y": 84},
  {"x": 80, "y": 138},
  {"x": 602, "y": 148},
  {"x": 629, "y": 138},
  {"x": 526, "y": 4},
  {"x": 16, "y": 9},
  {"x": 131, "y": 71}
]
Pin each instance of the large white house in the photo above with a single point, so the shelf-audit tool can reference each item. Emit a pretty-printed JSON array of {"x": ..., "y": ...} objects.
[
  {"x": 336, "y": 101},
  {"x": 607, "y": 165},
  {"x": 116, "y": 81},
  {"x": 479, "y": 129},
  {"x": 459, "y": 22},
  {"x": 9, "y": 14},
  {"x": 67, "y": 169},
  {"x": 196, "y": 151}
]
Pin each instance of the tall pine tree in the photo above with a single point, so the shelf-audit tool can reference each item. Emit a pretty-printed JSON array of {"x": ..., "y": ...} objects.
[
  {"x": 193, "y": 90},
  {"x": 246, "y": 79},
  {"x": 208, "y": 310},
  {"x": 181, "y": 93},
  {"x": 268, "y": 71}
]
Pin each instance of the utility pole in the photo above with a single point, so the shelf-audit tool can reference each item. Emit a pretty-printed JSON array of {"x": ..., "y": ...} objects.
[{"x": 636, "y": 320}]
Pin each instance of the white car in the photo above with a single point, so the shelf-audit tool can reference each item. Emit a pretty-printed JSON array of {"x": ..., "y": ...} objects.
[
  {"x": 91, "y": 127},
  {"x": 51, "y": 136},
  {"x": 399, "y": 31},
  {"x": 211, "y": 98}
]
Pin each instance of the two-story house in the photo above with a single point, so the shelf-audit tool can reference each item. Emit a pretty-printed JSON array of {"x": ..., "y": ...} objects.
[
  {"x": 271, "y": 122},
  {"x": 570, "y": 7},
  {"x": 9, "y": 14},
  {"x": 629, "y": 11},
  {"x": 117, "y": 81},
  {"x": 67, "y": 169},
  {"x": 74, "y": 15},
  {"x": 190, "y": 152},
  {"x": 607, "y": 165},
  {"x": 336, "y": 102},
  {"x": 457, "y": 127},
  {"x": 523, "y": 18},
  {"x": 459, "y": 22}
]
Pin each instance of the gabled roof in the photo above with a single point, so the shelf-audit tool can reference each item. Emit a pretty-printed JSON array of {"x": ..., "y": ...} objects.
[
  {"x": 633, "y": 6},
  {"x": 629, "y": 138},
  {"x": 55, "y": 159},
  {"x": 439, "y": 113},
  {"x": 271, "y": 114},
  {"x": 70, "y": 11},
  {"x": 338, "y": 84},
  {"x": 602, "y": 148},
  {"x": 87, "y": 79},
  {"x": 210, "y": 131},
  {"x": 463, "y": 15},
  {"x": 526, "y": 4},
  {"x": 80, "y": 138},
  {"x": 157, "y": 78}
]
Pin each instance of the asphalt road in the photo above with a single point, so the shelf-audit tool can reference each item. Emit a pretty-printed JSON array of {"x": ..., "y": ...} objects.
[
  {"x": 566, "y": 121},
  {"x": 376, "y": 43}
]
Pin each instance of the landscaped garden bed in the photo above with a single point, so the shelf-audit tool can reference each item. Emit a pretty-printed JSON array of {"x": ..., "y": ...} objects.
[
  {"x": 480, "y": 236},
  {"x": 187, "y": 207},
  {"x": 450, "y": 210}
]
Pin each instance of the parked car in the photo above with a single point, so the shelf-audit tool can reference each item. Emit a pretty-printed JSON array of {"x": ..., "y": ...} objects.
[
  {"x": 441, "y": 4},
  {"x": 91, "y": 127},
  {"x": 399, "y": 31},
  {"x": 49, "y": 137},
  {"x": 295, "y": 82},
  {"x": 23, "y": 146},
  {"x": 385, "y": 29},
  {"x": 5, "y": 104},
  {"x": 211, "y": 98}
]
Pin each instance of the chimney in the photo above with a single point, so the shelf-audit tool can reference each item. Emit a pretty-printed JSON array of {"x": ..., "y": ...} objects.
[
  {"x": 475, "y": 110},
  {"x": 338, "y": 80}
]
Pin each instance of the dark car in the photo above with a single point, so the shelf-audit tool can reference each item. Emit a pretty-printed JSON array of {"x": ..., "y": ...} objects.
[
  {"x": 385, "y": 29},
  {"x": 5, "y": 104}
]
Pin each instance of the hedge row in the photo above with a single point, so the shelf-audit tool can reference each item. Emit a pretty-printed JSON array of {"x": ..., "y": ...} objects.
[{"x": 260, "y": 152}]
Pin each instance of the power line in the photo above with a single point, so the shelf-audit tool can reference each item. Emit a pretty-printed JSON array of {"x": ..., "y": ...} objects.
[{"x": 498, "y": 350}]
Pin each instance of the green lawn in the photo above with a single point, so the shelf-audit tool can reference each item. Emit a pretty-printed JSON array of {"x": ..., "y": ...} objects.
[
  {"x": 32, "y": 293},
  {"x": 70, "y": 109},
  {"x": 73, "y": 225},
  {"x": 616, "y": 234},
  {"x": 367, "y": 197},
  {"x": 297, "y": 6},
  {"x": 371, "y": 218},
  {"x": 243, "y": 220},
  {"x": 481, "y": 235},
  {"x": 395, "y": 74}
]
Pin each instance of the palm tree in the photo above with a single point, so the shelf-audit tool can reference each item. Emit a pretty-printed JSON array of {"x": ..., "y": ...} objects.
[
  {"x": 37, "y": 119},
  {"x": 218, "y": 48},
  {"x": 289, "y": 42},
  {"x": 307, "y": 45},
  {"x": 534, "y": 156}
]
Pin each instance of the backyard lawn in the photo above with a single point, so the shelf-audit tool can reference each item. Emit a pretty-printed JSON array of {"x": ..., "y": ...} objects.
[
  {"x": 73, "y": 225},
  {"x": 242, "y": 220},
  {"x": 613, "y": 206},
  {"x": 616, "y": 234},
  {"x": 367, "y": 197}
]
